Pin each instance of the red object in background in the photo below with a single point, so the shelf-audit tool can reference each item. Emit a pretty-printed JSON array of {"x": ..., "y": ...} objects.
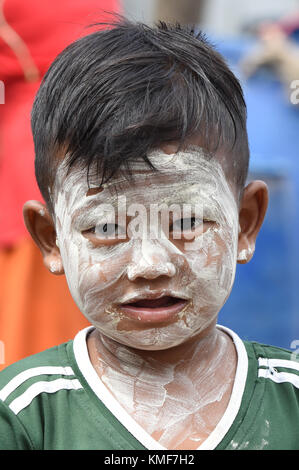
[
  {"x": 33, "y": 34},
  {"x": 36, "y": 308}
]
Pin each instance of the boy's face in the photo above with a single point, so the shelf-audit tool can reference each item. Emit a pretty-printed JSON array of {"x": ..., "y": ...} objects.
[
  {"x": 175, "y": 234},
  {"x": 106, "y": 268}
]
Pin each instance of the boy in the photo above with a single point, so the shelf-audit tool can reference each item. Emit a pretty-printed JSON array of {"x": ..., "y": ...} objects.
[{"x": 146, "y": 120}]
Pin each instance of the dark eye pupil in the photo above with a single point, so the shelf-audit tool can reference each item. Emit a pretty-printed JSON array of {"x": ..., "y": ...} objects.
[
  {"x": 187, "y": 225},
  {"x": 110, "y": 228}
]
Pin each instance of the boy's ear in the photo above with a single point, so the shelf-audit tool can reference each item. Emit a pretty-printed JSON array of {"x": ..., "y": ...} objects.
[
  {"x": 41, "y": 227},
  {"x": 252, "y": 212}
]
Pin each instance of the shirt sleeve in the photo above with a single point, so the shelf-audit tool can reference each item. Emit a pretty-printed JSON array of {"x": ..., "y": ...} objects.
[{"x": 13, "y": 435}]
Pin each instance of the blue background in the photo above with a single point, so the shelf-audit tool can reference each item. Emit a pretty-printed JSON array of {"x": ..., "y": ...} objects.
[{"x": 263, "y": 305}]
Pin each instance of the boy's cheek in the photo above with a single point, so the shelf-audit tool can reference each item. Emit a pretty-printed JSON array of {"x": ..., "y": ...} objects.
[
  {"x": 92, "y": 279},
  {"x": 221, "y": 250}
]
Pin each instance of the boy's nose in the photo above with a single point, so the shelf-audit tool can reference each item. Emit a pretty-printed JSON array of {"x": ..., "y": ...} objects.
[
  {"x": 150, "y": 261},
  {"x": 150, "y": 271}
]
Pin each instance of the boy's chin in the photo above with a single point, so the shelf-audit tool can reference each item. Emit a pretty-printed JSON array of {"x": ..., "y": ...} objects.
[
  {"x": 160, "y": 336},
  {"x": 146, "y": 347},
  {"x": 156, "y": 340}
]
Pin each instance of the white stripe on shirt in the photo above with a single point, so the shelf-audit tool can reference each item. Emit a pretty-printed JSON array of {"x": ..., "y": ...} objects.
[
  {"x": 37, "y": 388},
  {"x": 33, "y": 372},
  {"x": 279, "y": 363}
]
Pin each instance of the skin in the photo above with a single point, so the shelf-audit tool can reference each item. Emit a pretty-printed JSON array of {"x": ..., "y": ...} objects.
[{"x": 183, "y": 368}]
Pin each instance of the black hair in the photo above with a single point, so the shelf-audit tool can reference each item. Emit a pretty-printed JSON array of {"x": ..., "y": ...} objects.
[{"x": 117, "y": 93}]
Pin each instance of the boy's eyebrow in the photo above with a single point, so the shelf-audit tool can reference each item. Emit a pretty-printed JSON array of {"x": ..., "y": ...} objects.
[
  {"x": 88, "y": 204},
  {"x": 85, "y": 206}
]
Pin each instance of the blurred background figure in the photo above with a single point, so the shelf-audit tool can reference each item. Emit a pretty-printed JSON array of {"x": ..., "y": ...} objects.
[
  {"x": 184, "y": 12},
  {"x": 275, "y": 49},
  {"x": 32, "y": 300}
]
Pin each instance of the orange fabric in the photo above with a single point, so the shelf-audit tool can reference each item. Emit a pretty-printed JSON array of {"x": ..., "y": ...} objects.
[{"x": 37, "y": 310}]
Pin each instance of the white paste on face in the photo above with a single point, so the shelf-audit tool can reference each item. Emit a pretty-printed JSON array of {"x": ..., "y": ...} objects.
[{"x": 100, "y": 276}]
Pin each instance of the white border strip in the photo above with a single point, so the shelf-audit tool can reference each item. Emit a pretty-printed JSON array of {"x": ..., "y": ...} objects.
[
  {"x": 89, "y": 373},
  {"x": 233, "y": 407},
  {"x": 28, "y": 374}
]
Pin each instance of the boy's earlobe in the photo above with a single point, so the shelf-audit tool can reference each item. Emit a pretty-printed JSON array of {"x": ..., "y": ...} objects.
[
  {"x": 252, "y": 212},
  {"x": 41, "y": 227}
]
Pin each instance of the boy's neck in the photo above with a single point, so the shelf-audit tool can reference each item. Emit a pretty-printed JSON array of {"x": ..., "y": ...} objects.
[
  {"x": 206, "y": 347},
  {"x": 191, "y": 384}
]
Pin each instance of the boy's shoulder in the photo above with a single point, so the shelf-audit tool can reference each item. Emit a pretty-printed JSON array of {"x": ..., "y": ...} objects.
[
  {"x": 36, "y": 396},
  {"x": 43, "y": 366},
  {"x": 267, "y": 351},
  {"x": 275, "y": 366},
  {"x": 269, "y": 401}
]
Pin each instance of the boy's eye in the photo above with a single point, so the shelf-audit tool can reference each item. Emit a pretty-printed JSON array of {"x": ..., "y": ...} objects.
[
  {"x": 106, "y": 231},
  {"x": 186, "y": 224},
  {"x": 190, "y": 224}
]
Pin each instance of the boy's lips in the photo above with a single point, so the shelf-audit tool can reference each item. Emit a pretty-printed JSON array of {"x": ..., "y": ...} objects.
[{"x": 153, "y": 310}]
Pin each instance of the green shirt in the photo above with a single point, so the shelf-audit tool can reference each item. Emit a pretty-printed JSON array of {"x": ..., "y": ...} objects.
[{"x": 55, "y": 400}]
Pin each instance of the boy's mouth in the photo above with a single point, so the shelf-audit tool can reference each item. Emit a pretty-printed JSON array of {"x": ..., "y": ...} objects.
[{"x": 154, "y": 310}]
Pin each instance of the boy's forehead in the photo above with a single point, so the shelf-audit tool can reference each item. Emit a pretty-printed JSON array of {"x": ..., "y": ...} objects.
[{"x": 189, "y": 170}]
